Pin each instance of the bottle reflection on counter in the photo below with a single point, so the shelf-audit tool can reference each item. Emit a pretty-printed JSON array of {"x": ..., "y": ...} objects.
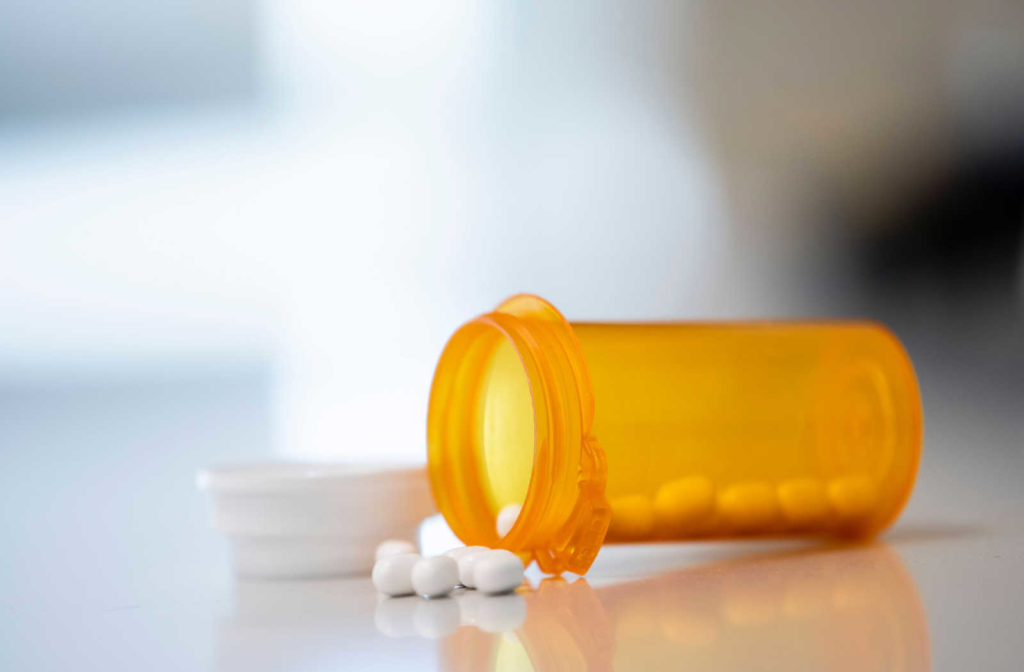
[{"x": 847, "y": 608}]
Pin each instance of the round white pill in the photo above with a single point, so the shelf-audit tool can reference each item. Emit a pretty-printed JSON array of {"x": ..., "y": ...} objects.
[
  {"x": 392, "y": 574},
  {"x": 497, "y": 572},
  {"x": 459, "y": 551},
  {"x": 507, "y": 517},
  {"x": 393, "y": 547},
  {"x": 466, "y": 563},
  {"x": 435, "y": 577}
]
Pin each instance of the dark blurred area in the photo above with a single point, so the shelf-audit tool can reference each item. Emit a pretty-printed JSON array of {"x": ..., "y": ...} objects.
[
  {"x": 945, "y": 267},
  {"x": 885, "y": 143}
]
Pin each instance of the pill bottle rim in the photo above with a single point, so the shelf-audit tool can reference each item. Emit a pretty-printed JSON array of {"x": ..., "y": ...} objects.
[{"x": 565, "y": 514}]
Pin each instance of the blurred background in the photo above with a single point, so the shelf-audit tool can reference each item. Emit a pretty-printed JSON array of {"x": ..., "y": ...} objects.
[
  {"x": 309, "y": 196},
  {"x": 243, "y": 228}
]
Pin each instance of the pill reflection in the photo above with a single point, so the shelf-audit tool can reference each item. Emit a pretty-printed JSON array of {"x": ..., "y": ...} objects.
[
  {"x": 852, "y": 608},
  {"x": 440, "y": 617},
  {"x": 394, "y": 616},
  {"x": 436, "y": 618}
]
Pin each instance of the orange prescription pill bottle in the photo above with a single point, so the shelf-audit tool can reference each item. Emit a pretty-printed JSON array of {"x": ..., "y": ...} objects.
[{"x": 642, "y": 432}]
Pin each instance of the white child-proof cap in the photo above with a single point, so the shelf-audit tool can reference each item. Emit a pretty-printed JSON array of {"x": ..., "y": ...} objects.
[{"x": 289, "y": 520}]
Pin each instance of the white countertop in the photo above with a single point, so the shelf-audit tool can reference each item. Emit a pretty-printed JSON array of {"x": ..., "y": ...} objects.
[{"x": 108, "y": 564}]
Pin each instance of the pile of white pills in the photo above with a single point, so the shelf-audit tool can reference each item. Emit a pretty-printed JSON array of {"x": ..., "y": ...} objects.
[{"x": 401, "y": 572}]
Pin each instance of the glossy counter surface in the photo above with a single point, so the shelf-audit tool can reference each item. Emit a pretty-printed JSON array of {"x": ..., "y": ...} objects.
[{"x": 108, "y": 564}]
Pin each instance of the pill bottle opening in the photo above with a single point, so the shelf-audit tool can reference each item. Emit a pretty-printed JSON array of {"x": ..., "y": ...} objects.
[
  {"x": 508, "y": 421},
  {"x": 492, "y": 427},
  {"x": 503, "y": 427}
]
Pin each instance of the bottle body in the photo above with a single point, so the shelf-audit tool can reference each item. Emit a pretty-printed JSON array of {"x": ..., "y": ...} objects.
[
  {"x": 752, "y": 428},
  {"x": 641, "y": 432}
]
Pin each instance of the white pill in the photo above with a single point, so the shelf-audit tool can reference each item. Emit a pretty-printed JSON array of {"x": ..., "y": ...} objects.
[
  {"x": 393, "y": 547},
  {"x": 392, "y": 574},
  {"x": 497, "y": 572},
  {"x": 466, "y": 562},
  {"x": 507, "y": 517},
  {"x": 435, "y": 577},
  {"x": 459, "y": 551}
]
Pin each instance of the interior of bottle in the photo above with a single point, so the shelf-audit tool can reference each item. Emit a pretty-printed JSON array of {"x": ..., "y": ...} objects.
[
  {"x": 732, "y": 429},
  {"x": 724, "y": 430},
  {"x": 504, "y": 426}
]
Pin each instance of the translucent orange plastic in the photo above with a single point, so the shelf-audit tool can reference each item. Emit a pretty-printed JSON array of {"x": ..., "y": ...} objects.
[{"x": 640, "y": 432}]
